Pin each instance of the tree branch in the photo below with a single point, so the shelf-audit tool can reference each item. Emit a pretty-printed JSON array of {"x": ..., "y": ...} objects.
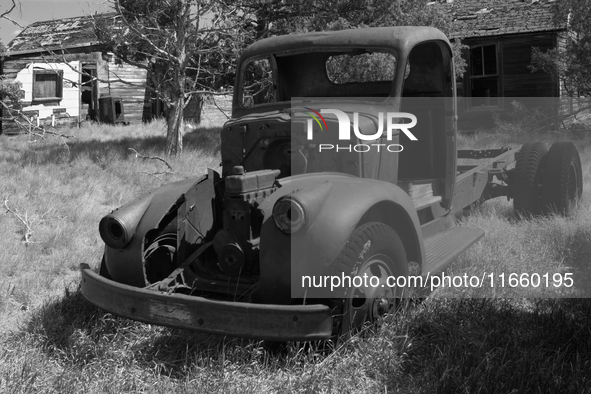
[
  {"x": 147, "y": 40},
  {"x": 138, "y": 155},
  {"x": 4, "y": 14},
  {"x": 27, "y": 125},
  {"x": 220, "y": 109},
  {"x": 27, "y": 223}
]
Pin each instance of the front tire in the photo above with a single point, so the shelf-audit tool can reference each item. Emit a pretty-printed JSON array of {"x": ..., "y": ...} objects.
[{"x": 373, "y": 253}]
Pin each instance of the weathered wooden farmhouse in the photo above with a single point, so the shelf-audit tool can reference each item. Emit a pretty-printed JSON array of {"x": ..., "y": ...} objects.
[
  {"x": 500, "y": 35},
  {"x": 69, "y": 77},
  {"x": 57, "y": 62}
]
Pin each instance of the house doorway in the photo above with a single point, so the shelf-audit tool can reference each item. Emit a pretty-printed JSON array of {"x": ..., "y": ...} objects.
[{"x": 89, "y": 92}]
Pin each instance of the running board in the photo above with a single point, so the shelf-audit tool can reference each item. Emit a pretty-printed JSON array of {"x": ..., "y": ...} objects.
[{"x": 443, "y": 248}]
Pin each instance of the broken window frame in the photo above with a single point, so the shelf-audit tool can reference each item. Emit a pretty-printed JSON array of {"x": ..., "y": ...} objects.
[
  {"x": 58, "y": 85},
  {"x": 483, "y": 75}
]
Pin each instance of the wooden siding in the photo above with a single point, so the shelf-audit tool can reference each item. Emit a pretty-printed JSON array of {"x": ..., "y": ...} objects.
[
  {"x": 132, "y": 92},
  {"x": 13, "y": 64},
  {"x": 518, "y": 80},
  {"x": 514, "y": 76},
  {"x": 216, "y": 110},
  {"x": 65, "y": 100}
]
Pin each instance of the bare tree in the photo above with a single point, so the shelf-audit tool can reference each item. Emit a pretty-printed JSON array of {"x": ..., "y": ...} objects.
[{"x": 188, "y": 47}]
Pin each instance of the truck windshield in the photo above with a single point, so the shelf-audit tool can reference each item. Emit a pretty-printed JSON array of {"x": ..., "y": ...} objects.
[{"x": 354, "y": 72}]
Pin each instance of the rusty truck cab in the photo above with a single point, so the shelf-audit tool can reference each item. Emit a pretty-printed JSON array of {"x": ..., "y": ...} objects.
[{"x": 416, "y": 77}]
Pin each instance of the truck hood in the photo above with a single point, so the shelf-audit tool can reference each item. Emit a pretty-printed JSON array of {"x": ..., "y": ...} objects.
[
  {"x": 367, "y": 109},
  {"x": 266, "y": 140}
]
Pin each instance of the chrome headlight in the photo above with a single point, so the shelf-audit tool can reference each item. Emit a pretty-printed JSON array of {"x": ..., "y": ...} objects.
[{"x": 289, "y": 215}]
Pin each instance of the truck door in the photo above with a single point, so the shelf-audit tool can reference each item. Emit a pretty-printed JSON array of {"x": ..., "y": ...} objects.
[{"x": 428, "y": 93}]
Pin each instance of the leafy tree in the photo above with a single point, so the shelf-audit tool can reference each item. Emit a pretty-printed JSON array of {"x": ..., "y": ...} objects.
[
  {"x": 189, "y": 48},
  {"x": 571, "y": 63}
]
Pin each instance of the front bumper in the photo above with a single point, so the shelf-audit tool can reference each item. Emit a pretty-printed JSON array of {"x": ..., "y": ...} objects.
[{"x": 256, "y": 321}]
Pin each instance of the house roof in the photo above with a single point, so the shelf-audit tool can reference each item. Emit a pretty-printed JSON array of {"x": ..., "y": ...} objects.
[
  {"x": 483, "y": 18},
  {"x": 55, "y": 34},
  {"x": 471, "y": 18}
]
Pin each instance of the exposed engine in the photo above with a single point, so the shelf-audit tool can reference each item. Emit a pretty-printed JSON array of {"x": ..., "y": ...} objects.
[
  {"x": 236, "y": 244},
  {"x": 233, "y": 256}
]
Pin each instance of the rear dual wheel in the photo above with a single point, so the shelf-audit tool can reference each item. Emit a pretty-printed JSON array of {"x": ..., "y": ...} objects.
[
  {"x": 563, "y": 179},
  {"x": 527, "y": 179},
  {"x": 547, "y": 180}
]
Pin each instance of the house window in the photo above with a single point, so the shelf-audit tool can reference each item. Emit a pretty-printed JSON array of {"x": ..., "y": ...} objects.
[
  {"x": 47, "y": 85},
  {"x": 484, "y": 60},
  {"x": 484, "y": 76}
]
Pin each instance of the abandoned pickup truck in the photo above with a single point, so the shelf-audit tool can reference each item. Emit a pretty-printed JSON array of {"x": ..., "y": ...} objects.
[{"x": 226, "y": 253}]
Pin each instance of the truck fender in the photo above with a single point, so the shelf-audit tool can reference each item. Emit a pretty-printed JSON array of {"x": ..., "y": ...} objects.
[
  {"x": 337, "y": 205},
  {"x": 126, "y": 265}
]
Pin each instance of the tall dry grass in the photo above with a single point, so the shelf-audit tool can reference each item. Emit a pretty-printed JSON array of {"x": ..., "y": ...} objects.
[
  {"x": 61, "y": 188},
  {"x": 52, "y": 340},
  {"x": 549, "y": 244}
]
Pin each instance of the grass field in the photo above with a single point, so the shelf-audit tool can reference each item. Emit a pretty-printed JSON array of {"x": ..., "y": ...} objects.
[{"x": 51, "y": 340}]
